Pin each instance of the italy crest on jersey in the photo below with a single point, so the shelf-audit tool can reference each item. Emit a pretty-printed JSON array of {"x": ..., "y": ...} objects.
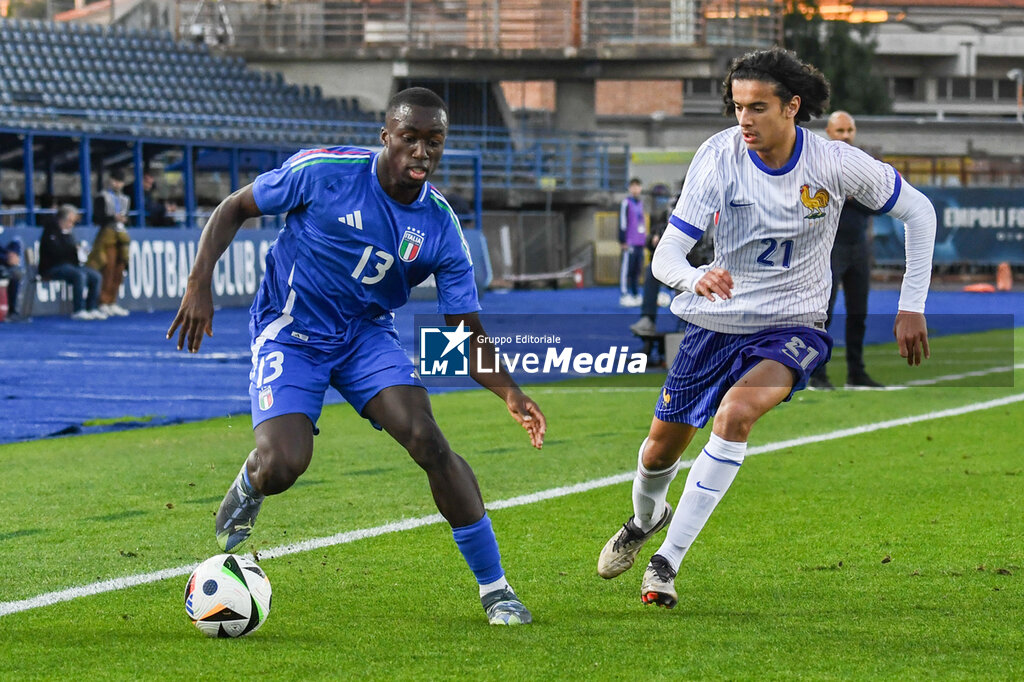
[
  {"x": 266, "y": 398},
  {"x": 412, "y": 240},
  {"x": 815, "y": 203}
]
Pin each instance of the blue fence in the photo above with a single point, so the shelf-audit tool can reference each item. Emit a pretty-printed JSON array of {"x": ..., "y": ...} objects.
[{"x": 481, "y": 159}]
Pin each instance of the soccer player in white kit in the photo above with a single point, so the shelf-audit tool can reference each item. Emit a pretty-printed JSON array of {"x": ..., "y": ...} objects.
[{"x": 756, "y": 314}]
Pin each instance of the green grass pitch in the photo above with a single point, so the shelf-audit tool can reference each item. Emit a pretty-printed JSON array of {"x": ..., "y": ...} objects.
[{"x": 890, "y": 554}]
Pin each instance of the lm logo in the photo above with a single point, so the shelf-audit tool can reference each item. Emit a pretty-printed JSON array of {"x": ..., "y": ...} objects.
[{"x": 444, "y": 351}]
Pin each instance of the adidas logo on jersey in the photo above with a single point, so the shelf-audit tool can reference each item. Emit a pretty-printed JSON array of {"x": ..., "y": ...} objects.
[{"x": 354, "y": 219}]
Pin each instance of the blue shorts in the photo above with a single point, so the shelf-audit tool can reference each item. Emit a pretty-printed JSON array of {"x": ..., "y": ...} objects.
[
  {"x": 709, "y": 363},
  {"x": 292, "y": 377}
]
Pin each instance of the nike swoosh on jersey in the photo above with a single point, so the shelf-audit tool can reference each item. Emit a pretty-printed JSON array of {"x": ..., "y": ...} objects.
[
  {"x": 704, "y": 487},
  {"x": 735, "y": 205}
]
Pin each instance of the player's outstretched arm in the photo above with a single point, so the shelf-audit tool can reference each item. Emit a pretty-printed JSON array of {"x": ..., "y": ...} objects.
[
  {"x": 522, "y": 408},
  {"x": 195, "y": 314},
  {"x": 911, "y": 333},
  {"x": 910, "y": 329}
]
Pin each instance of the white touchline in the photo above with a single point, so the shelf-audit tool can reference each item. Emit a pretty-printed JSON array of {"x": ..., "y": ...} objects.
[
  {"x": 964, "y": 375},
  {"x": 51, "y": 598},
  {"x": 653, "y": 390}
]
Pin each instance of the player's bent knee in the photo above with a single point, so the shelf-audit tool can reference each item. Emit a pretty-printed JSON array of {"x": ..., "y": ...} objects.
[
  {"x": 427, "y": 446},
  {"x": 733, "y": 420}
]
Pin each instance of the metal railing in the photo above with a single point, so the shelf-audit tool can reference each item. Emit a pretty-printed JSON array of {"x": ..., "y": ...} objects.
[
  {"x": 325, "y": 27},
  {"x": 574, "y": 162}
]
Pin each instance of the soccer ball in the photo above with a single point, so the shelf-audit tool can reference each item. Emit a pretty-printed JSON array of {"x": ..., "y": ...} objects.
[{"x": 227, "y": 596}]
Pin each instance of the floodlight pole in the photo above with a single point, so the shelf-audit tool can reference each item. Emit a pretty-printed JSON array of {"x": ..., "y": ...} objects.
[
  {"x": 1018, "y": 75},
  {"x": 1020, "y": 98}
]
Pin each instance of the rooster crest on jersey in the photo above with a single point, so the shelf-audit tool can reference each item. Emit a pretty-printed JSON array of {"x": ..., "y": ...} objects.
[
  {"x": 412, "y": 240},
  {"x": 816, "y": 203}
]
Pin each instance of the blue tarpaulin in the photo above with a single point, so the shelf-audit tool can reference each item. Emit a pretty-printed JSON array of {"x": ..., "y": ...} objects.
[{"x": 56, "y": 374}]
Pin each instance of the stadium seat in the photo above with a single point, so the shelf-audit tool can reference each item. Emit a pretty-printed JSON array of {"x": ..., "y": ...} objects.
[{"x": 141, "y": 82}]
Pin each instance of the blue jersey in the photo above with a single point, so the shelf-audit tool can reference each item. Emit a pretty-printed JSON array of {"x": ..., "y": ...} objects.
[{"x": 348, "y": 251}]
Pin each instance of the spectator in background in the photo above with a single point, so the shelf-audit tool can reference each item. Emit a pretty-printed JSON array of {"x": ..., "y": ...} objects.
[
  {"x": 110, "y": 249},
  {"x": 851, "y": 267},
  {"x": 653, "y": 296},
  {"x": 632, "y": 237},
  {"x": 157, "y": 210},
  {"x": 12, "y": 271},
  {"x": 58, "y": 259}
]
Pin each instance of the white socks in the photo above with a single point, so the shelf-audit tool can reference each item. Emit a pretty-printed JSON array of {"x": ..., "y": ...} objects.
[
  {"x": 710, "y": 476},
  {"x": 649, "y": 490},
  {"x": 498, "y": 584}
]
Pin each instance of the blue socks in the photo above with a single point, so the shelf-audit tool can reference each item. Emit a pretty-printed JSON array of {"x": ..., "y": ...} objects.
[
  {"x": 480, "y": 549},
  {"x": 245, "y": 479},
  {"x": 247, "y": 484}
]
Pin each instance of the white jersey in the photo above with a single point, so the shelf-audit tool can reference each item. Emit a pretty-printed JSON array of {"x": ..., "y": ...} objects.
[{"x": 775, "y": 226}]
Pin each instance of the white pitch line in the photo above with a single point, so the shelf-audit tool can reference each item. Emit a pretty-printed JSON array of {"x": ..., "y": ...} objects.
[
  {"x": 891, "y": 423},
  {"x": 51, "y": 598},
  {"x": 965, "y": 375},
  {"x": 896, "y": 387}
]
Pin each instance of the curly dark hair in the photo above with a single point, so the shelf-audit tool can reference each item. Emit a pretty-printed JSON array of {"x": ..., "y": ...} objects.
[{"x": 789, "y": 76}]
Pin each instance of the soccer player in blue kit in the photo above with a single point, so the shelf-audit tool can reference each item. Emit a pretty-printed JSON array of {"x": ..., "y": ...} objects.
[
  {"x": 755, "y": 316},
  {"x": 362, "y": 229}
]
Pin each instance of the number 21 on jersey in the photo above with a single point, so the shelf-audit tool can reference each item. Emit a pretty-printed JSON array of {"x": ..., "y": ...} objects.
[
  {"x": 800, "y": 351},
  {"x": 769, "y": 257}
]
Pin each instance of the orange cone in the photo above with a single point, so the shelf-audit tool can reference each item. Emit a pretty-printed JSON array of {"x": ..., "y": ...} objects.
[
  {"x": 1004, "y": 277},
  {"x": 980, "y": 288}
]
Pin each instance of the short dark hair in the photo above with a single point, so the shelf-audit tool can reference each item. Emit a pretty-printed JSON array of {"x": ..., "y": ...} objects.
[
  {"x": 416, "y": 97},
  {"x": 787, "y": 74},
  {"x": 635, "y": 181},
  {"x": 117, "y": 174}
]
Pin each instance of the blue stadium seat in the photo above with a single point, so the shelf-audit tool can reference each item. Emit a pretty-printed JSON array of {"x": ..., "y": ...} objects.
[{"x": 136, "y": 80}]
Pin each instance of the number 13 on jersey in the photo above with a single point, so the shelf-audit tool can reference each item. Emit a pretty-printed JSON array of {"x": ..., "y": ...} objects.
[{"x": 377, "y": 269}]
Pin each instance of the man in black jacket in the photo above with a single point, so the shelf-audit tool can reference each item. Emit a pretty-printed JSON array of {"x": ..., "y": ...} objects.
[
  {"x": 157, "y": 210},
  {"x": 58, "y": 259},
  {"x": 851, "y": 269}
]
